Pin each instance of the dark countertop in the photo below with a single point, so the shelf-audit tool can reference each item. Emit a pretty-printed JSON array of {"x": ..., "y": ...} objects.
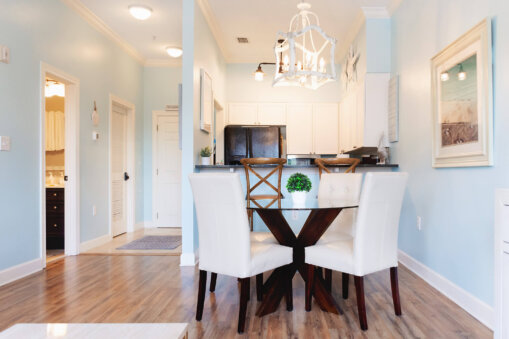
[{"x": 295, "y": 166}]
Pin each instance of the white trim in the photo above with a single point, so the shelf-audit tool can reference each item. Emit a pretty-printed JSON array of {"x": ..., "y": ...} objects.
[
  {"x": 103, "y": 28},
  {"x": 88, "y": 245},
  {"x": 173, "y": 112},
  {"x": 189, "y": 259},
  {"x": 163, "y": 62},
  {"x": 20, "y": 271},
  {"x": 477, "y": 308},
  {"x": 72, "y": 187},
  {"x": 375, "y": 12},
  {"x": 214, "y": 27},
  {"x": 131, "y": 169}
]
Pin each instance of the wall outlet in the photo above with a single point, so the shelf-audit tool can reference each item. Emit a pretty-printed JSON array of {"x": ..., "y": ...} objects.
[
  {"x": 419, "y": 223},
  {"x": 5, "y": 54},
  {"x": 5, "y": 143},
  {"x": 94, "y": 210}
]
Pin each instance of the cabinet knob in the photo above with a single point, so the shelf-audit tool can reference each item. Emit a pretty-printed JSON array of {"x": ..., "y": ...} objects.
[
  {"x": 54, "y": 194},
  {"x": 55, "y": 207},
  {"x": 55, "y": 225}
]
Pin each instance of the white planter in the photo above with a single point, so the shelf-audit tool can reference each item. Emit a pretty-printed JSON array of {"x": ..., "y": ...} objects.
[
  {"x": 205, "y": 161},
  {"x": 299, "y": 198}
]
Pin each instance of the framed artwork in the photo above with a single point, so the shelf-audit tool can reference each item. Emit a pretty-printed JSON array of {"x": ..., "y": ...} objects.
[
  {"x": 206, "y": 101},
  {"x": 462, "y": 101}
]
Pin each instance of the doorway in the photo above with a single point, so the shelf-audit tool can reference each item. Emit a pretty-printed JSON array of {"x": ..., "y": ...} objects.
[
  {"x": 166, "y": 168},
  {"x": 122, "y": 201},
  {"x": 59, "y": 164}
]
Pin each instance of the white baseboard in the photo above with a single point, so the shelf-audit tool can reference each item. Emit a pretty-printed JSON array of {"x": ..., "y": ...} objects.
[
  {"x": 87, "y": 245},
  {"x": 189, "y": 259},
  {"x": 477, "y": 308},
  {"x": 19, "y": 271}
]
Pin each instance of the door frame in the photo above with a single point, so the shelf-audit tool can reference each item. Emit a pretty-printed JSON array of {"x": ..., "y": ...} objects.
[
  {"x": 72, "y": 186},
  {"x": 131, "y": 154},
  {"x": 173, "y": 112}
]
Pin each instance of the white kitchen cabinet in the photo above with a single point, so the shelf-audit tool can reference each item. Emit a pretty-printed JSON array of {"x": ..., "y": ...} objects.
[
  {"x": 325, "y": 128},
  {"x": 257, "y": 114},
  {"x": 299, "y": 128},
  {"x": 242, "y": 114},
  {"x": 364, "y": 113},
  {"x": 272, "y": 114},
  {"x": 502, "y": 264}
]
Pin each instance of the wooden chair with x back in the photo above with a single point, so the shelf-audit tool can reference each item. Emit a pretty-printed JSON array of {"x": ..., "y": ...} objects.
[
  {"x": 254, "y": 198},
  {"x": 322, "y": 164}
]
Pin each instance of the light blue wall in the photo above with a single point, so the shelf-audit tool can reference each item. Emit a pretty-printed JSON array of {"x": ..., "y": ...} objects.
[
  {"x": 456, "y": 205},
  {"x": 378, "y": 38},
  {"x": 160, "y": 87},
  {"x": 49, "y": 31}
]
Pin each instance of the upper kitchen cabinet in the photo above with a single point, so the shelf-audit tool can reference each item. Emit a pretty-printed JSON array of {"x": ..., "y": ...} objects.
[
  {"x": 242, "y": 114},
  {"x": 364, "y": 113},
  {"x": 299, "y": 129},
  {"x": 271, "y": 114},
  {"x": 325, "y": 128}
]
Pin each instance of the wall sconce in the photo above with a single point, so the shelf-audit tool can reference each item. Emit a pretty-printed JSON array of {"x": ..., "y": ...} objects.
[{"x": 95, "y": 116}]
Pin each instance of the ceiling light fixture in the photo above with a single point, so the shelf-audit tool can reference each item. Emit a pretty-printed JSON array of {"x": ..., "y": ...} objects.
[
  {"x": 258, "y": 74},
  {"x": 444, "y": 76},
  {"x": 140, "y": 12},
  {"x": 462, "y": 75},
  {"x": 306, "y": 53},
  {"x": 174, "y": 52},
  {"x": 54, "y": 88}
]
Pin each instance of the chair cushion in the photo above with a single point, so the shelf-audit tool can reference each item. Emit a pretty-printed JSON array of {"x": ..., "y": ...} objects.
[
  {"x": 267, "y": 256},
  {"x": 336, "y": 255},
  {"x": 266, "y": 237}
]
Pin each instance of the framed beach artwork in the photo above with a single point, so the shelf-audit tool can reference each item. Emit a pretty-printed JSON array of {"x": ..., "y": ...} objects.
[
  {"x": 462, "y": 101},
  {"x": 206, "y": 101}
]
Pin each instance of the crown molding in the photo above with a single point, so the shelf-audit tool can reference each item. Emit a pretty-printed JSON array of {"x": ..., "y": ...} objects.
[
  {"x": 375, "y": 12},
  {"x": 163, "y": 62},
  {"x": 394, "y": 6},
  {"x": 214, "y": 27},
  {"x": 103, "y": 28}
]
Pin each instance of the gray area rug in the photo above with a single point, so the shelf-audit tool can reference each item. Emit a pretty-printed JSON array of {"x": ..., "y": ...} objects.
[{"x": 154, "y": 242}]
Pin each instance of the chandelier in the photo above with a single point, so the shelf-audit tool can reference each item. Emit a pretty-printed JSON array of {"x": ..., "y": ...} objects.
[{"x": 305, "y": 55}]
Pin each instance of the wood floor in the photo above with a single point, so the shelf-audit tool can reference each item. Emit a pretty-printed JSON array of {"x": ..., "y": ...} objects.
[
  {"x": 110, "y": 248},
  {"x": 92, "y": 289}
]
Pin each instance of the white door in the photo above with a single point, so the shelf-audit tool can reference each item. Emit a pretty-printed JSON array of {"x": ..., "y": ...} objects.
[
  {"x": 272, "y": 114},
  {"x": 167, "y": 181},
  {"x": 242, "y": 114},
  {"x": 299, "y": 128},
  {"x": 325, "y": 125},
  {"x": 118, "y": 170}
]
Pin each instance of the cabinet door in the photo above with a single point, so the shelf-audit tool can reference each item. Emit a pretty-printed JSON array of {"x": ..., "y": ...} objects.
[
  {"x": 242, "y": 114},
  {"x": 347, "y": 125},
  {"x": 505, "y": 294},
  {"x": 325, "y": 128},
  {"x": 299, "y": 129},
  {"x": 272, "y": 114}
]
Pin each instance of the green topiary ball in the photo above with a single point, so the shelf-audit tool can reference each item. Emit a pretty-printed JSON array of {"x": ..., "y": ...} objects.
[{"x": 298, "y": 182}]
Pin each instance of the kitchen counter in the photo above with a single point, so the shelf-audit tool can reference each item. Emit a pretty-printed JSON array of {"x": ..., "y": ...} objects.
[{"x": 294, "y": 166}]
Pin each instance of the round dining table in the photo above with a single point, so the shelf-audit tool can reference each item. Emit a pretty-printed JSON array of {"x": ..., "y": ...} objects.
[{"x": 321, "y": 214}]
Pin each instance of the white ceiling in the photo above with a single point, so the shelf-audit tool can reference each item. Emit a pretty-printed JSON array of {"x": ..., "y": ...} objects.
[
  {"x": 258, "y": 20},
  {"x": 165, "y": 24}
]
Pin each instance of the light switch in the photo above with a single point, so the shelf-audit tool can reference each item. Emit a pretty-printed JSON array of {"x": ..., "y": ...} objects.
[
  {"x": 5, "y": 143},
  {"x": 4, "y": 54},
  {"x": 95, "y": 136}
]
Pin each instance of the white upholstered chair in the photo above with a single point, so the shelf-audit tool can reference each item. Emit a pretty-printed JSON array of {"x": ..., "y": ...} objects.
[
  {"x": 340, "y": 186},
  {"x": 225, "y": 245},
  {"x": 374, "y": 245}
]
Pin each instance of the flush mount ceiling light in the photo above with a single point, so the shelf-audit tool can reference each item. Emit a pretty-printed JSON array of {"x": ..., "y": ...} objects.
[
  {"x": 306, "y": 52},
  {"x": 140, "y": 12},
  {"x": 54, "y": 88},
  {"x": 174, "y": 52}
]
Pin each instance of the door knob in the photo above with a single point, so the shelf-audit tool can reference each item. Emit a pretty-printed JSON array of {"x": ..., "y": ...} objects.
[{"x": 126, "y": 176}]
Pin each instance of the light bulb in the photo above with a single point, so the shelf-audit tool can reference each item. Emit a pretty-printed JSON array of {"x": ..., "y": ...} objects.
[
  {"x": 299, "y": 66},
  {"x": 322, "y": 65},
  {"x": 462, "y": 75},
  {"x": 258, "y": 75},
  {"x": 140, "y": 12},
  {"x": 174, "y": 52},
  {"x": 444, "y": 76}
]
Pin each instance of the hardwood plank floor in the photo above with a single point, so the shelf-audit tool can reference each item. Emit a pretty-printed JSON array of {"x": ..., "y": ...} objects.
[{"x": 121, "y": 289}]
